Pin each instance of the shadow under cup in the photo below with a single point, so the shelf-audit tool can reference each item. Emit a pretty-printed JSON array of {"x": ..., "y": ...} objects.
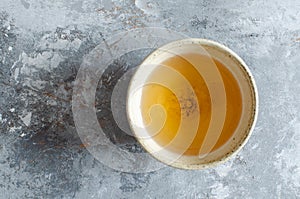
[{"x": 208, "y": 154}]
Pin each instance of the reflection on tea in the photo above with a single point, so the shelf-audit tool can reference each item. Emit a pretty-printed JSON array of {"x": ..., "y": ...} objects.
[{"x": 184, "y": 106}]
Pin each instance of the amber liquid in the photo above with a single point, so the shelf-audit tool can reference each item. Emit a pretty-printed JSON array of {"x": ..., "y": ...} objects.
[{"x": 164, "y": 132}]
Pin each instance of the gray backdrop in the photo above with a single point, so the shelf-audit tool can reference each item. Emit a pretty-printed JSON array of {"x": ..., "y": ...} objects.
[{"x": 42, "y": 44}]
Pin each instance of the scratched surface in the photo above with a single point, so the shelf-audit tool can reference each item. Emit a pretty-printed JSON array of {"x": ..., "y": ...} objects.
[{"x": 42, "y": 45}]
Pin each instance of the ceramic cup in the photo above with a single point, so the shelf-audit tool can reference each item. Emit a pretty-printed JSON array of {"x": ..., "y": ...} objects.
[{"x": 244, "y": 78}]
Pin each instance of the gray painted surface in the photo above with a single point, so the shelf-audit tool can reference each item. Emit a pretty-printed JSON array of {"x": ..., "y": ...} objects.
[{"x": 42, "y": 45}]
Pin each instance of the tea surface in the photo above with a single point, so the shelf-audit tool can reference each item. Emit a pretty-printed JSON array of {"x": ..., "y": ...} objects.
[{"x": 164, "y": 125}]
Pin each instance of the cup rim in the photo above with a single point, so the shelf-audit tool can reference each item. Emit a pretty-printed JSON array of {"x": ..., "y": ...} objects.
[{"x": 254, "y": 112}]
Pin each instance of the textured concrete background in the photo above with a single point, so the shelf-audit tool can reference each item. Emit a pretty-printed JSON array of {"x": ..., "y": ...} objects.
[{"x": 42, "y": 44}]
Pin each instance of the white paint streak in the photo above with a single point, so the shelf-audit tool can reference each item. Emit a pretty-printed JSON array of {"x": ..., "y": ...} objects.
[
  {"x": 46, "y": 61},
  {"x": 26, "y": 119},
  {"x": 22, "y": 135},
  {"x": 255, "y": 146},
  {"x": 13, "y": 129},
  {"x": 60, "y": 44},
  {"x": 75, "y": 44},
  {"x": 40, "y": 61},
  {"x": 51, "y": 102},
  {"x": 148, "y": 7},
  {"x": 34, "y": 84},
  {"x": 219, "y": 190},
  {"x": 14, "y": 70},
  {"x": 288, "y": 160},
  {"x": 224, "y": 169}
]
